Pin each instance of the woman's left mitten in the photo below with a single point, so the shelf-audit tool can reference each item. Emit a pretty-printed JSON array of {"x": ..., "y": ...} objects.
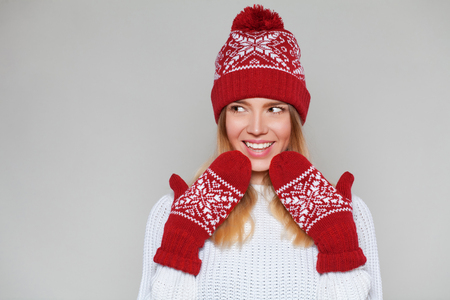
[
  {"x": 322, "y": 211},
  {"x": 197, "y": 211}
]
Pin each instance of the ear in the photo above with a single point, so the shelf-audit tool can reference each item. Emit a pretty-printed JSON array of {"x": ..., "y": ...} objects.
[
  {"x": 178, "y": 185},
  {"x": 344, "y": 185}
]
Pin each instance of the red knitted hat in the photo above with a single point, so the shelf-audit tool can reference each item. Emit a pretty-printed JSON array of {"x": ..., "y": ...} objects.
[{"x": 259, "y": 59}]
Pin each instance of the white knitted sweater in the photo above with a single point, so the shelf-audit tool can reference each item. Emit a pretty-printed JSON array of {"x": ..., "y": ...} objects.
[{"x": 266, "y": 267}]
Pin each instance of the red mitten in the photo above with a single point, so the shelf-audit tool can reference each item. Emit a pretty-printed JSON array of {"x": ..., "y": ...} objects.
[
  {"x": 197, "y": 212},
  {"x": 322, "y": 211}
]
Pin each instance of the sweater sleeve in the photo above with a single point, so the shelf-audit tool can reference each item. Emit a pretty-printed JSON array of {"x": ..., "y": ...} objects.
[
  {"x": 365, "y": 281},
  {"x": 173, "y": 284},
  {"x": 160, "y": 282}
]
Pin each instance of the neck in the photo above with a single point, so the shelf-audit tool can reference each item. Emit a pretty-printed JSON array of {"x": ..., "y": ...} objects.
[{"x": 257, "y": 177}]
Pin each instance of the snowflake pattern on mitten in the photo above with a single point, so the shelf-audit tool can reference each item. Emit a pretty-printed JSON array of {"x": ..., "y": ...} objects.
[
  {"x": 208, "y": 201},
  {"x": 310, "y": 197}
]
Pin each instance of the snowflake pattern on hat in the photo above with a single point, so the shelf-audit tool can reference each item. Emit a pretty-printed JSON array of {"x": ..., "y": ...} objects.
[{"x": 260, "y": 49}]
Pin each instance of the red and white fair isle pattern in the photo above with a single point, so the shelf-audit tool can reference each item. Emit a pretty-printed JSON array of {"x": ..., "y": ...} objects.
[
  {"x": 267, "y": 49},
  {"x": 208, "y": 201},
  {"x": 310, "y": 197}
]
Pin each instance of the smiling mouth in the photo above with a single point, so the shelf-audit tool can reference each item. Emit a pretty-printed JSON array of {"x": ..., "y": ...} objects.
[{"x": 258, "y": 147}]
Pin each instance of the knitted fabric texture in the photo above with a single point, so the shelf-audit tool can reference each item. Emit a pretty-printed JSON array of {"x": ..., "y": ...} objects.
[
  {"x": 265, "y": 267},
  {"x": 319, "y": 209},
  {"x": 197, "y": 213},
  {"x": 259, "y": 59}
]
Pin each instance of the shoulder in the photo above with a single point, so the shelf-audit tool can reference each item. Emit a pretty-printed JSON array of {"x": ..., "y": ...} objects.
[
  {"x": 363, "y": 219},
  {"x": 360, "y": 208},
  {"x": 359, "y": 203},
  {"x": 163, "y": 203},
  {"x": 160, "y": 211}
]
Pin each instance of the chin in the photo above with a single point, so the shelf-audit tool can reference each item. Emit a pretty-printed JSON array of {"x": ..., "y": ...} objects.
[{"x": 258, "y": 167}]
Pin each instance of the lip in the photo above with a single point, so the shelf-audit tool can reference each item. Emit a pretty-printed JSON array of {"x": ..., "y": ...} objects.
[
  {"x": 258, "y": 141},
  {"x": 258, "y": 154}
]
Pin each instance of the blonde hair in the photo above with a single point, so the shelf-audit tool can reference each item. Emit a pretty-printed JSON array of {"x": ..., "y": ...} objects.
[{"x": 232, "y": 230}]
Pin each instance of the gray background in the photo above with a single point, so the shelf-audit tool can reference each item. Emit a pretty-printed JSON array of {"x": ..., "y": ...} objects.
[{"x": 100, "y": 101}]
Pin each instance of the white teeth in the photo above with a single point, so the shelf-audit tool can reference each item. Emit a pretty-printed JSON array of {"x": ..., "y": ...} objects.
[{"x": 258, "y": 146}]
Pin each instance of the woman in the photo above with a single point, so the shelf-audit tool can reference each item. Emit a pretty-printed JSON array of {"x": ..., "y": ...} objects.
[{"x": 245, "y": 229}]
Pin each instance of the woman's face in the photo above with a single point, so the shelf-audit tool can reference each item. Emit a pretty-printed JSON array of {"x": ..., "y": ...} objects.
[{"x": 260, "y": 128}]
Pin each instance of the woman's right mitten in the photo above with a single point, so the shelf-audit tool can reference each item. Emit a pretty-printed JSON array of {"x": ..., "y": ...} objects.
[{"x": 199, "y": 210}]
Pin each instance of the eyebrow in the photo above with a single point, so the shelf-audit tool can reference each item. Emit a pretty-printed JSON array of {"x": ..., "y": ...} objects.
[
  {"x": 276, "y": 102},
  {"x": 241, "y": 101}
]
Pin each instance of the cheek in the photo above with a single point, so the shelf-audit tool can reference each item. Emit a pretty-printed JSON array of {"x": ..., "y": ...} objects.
[
  {"x": 283, "y": 132},
  {"x": 233, "y": 132},
  {"x": 287, "y": 135}
]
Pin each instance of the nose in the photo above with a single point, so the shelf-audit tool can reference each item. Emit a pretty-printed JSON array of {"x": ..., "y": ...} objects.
[{"x": 257, "y": 125}]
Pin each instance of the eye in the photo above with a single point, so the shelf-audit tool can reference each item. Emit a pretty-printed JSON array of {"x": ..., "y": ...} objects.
[
  {"x": 236, "y": 108},
  {"x": 276, "y": 109}
]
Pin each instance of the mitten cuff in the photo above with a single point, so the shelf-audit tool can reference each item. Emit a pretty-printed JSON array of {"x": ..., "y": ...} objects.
[
  {"x": 340, "y": 262},
  {"x": 180, "y": 245},
  {"x": 337, "y": 241}
]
